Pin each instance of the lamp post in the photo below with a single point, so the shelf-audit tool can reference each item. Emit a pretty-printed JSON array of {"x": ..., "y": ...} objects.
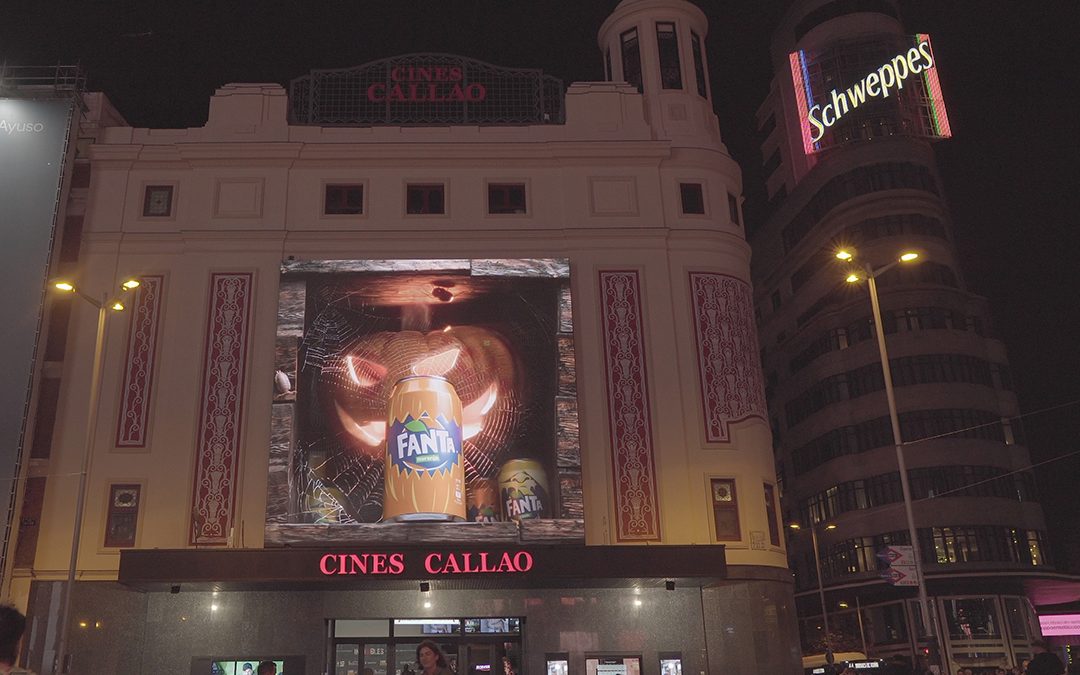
[
  {"x": 104, "y": 305},
  {"x": 871, "y": 274},
  {"x": 820, "y": 581}
]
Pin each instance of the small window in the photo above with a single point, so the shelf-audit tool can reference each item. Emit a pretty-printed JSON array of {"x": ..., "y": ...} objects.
[
  {"x": 733, "y": 208},
  {"x": 123, "y": 517},
  {"x": 770, "y": 513},
  {"x": 506, "y": 198},
  {"x": 668, "y": 43},
  {"x": 425, "y": 199},
  {"x": 776, "y": 300},
  {"x": 344, "y": 200},
  {"x": 158, "y": 201},
  {"x": 631, "y": 58},
  {"x": 699, "y": 65},
  {"x": 725, "y": 509},
  {"x": 693, "y": 198},
  {"x": 607, "y": 66}
]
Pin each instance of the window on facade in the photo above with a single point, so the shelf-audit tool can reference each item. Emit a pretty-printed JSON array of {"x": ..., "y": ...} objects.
[
  {"x": 158, "y": 201},
  {"x": 343, "y": 200},
  {"x": 886, "y": 624},
  {"x": 123, "y": 516},
  {"x": 699, "y": 65},
  {"x": 506, "y": 198},
  {"x": 631, "y": 58},
  {"x": 972, "y": 618},
  {"x": 733, "y": 208},
  {"x": 667, "y": 42},
  {"x": 693, "y": 198},
  {"x": 770, "y": 513},
  {"x": 775, "y": 300},
  {"x": 725, "y": 507},
  {"x": 425, "y": 199},
  {"x": 607, "y": 65}
]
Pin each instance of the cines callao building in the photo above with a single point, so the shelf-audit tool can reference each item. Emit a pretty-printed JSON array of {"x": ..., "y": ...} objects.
[{"x": 550, "y": 284}]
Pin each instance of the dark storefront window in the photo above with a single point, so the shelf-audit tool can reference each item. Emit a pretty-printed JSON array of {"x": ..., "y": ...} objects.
[
  {"x": 631, "y": 58},
  {"x": 667, "y": 42},
  {"x": 972, "y": 618}
]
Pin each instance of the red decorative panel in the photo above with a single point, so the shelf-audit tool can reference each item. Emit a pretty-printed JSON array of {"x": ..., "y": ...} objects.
[
  {"x": 143, "y": 335},
  {"x": 637, "y": 512},
  {"x": 731, "y": 384},
  {"x": 222, "y": 395}
]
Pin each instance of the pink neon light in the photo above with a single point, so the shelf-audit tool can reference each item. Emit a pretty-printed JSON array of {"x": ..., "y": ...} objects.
[
  {"x": 800, "y": 99},
  {"x": 1060, "y": 624},
  {"x": 937, "y": 101}
]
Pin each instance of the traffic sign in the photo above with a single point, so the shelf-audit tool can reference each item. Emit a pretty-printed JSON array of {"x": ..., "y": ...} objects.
[{"x": 897, "y": 555}]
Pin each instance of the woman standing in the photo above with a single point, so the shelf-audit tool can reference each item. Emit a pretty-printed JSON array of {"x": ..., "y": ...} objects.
[{"x": 432, "y": 660}]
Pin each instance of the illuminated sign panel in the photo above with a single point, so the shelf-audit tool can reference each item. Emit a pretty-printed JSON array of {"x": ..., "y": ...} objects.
[
  {"x": 859, "y": 90},
  {"x": 419, "y": 89},
  {"x": 1059, "y": 624}
]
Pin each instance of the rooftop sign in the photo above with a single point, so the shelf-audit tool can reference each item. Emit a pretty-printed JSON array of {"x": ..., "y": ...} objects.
[
  {"x": 854, "y": 91},
  {"x": 426, "y": 89}
]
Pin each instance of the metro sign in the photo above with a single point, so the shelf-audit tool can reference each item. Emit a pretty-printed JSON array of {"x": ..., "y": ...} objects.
[
  {"x": 894, "y": 576},
  {"x": 896, "y": 555}
]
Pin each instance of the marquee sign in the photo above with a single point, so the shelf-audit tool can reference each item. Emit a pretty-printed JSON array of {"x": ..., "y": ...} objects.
[
  {"x": 426, "y": 89},
  {"x": 855, "y": 91}
]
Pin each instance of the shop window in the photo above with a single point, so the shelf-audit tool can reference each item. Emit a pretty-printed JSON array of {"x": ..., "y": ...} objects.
[
  {"x": 693, "y": 198},
  {"x": 725, "y": 507},
  {"x": 886, "y": 624},
  {"x": 123, "y": 516},
  {"x": 631, "y": 58},
  {"x": 733, "y": 208},
  {"x": 972, "y": 618},
  {"x": 343, "y": 200},
  {"x": 158, "y": 201},
  {"x": 770, "y": 513},
  {"x": 699, "y": 65},
  {"x": 667, "y": 42},
  {"x": 425, "y": 199},
  {"x": 506, "y": 198}
]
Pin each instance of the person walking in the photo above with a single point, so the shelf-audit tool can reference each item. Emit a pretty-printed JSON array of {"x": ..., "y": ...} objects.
[
  {"x": 12, "y": 625},
  {"x": 432, "y": 660},
  {"x": 1044, "y": 662}
]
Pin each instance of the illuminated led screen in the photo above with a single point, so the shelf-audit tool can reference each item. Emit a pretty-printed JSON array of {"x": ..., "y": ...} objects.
[
  {"x": 859, "y": 90},
  {"x": 423, "y": 391},
  {"x": 1060, "y": 624}
]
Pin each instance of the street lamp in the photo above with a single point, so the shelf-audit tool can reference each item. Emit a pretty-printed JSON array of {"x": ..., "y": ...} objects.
[
  {"x": 871, "y": 274},
  {"x": 820, "y": 582},
  {"x": 104, "y": 305}
]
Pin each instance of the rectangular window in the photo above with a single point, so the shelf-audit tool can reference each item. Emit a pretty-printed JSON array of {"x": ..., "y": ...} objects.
[
  {"x": 667, "y": 41},
  {"x": 770, "y": 513},
  {"x": 343, "y": 200},
  {"x": 123, "y": 516},
  {"x": 733, "y": 208},
  {"x": 158, "y": 201},
  {"x": 631, "y": 58},
  {"x": 425, "y": 199},
  {"x": 607, "y": 66},
  {"x": 506, "y": 198},
  {"x": 725, "y": 509},
  {"x": 699, "y": 65},
  {"x": 693, "y": 198}
]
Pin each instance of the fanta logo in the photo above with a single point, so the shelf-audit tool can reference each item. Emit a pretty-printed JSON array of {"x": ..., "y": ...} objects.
[{"x": 424, "y": 444}]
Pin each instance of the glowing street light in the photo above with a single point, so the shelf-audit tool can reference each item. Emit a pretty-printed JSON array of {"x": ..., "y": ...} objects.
[{"x": 103, "y": 305}]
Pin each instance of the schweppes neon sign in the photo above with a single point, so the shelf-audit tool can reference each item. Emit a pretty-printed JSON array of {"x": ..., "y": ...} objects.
[{"x": 818, "y": 113}]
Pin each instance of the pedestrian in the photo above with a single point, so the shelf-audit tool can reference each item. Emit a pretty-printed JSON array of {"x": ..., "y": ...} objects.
[
  {"x": 12, "y": 625},
  {"x": 1044, "y": 662},
  {"x": 267, "y": 668},
  {"x": 432, "y": 659}
]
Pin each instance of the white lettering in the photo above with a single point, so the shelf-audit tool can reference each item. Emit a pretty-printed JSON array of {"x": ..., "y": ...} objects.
[
  {"x": 21, "y": 127},
  {"x": 816, "y": 136}
]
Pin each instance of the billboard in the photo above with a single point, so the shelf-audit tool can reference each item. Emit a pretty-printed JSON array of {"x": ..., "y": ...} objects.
[
  {"x": 859, "y": 90},
  {"x": 33, "y": 142},
  {"x": 1059, "y": 624},
  {"x": 431, "y": 391}
]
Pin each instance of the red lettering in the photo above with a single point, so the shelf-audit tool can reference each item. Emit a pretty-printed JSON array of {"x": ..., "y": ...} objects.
[
  {"x": 431, "y": 562},
  {"x": 455, "y": 73},
  {"x": 395, "y": 73},
  {"x": 484, "y": 563},
  {"x": 523, "y": 561},
  {"x": 357, "y": 563},
  {"x": 396, "y": 94},
  {"x": 397, "y": 563},
  {"x": 329, "y": 557},
  {"x": 422, "y": 74},
  {"x": 378, "y": 563},
  {"x": 506, "y": 564},
  {"x": 376, "y": 92},
  {"x": 452, "y": 566},
  {"x": 440, "y": 73}
]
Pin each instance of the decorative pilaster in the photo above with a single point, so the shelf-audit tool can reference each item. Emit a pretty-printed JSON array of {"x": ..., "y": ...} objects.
[
  {"x": 637, "y": 508},
  {"x": 133, "y": 423},
  {"x": 732, "y": 389},
  {"x": 221, "y": 406}
]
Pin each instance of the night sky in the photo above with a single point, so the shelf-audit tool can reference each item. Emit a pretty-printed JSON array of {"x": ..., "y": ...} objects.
[{"x": 1008, "y": 72}]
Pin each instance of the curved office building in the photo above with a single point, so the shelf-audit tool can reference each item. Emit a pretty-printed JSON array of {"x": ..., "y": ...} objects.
[{"x": 848, "y": 131}]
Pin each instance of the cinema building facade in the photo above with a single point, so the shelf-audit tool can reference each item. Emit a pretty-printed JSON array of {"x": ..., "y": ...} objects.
[{"x": 563, "y": 272}]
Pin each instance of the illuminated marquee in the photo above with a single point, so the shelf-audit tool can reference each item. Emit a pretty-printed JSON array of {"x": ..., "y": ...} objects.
[
  {"x": 918, "y": 110},
  {"x": 395, "y": 564}
]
